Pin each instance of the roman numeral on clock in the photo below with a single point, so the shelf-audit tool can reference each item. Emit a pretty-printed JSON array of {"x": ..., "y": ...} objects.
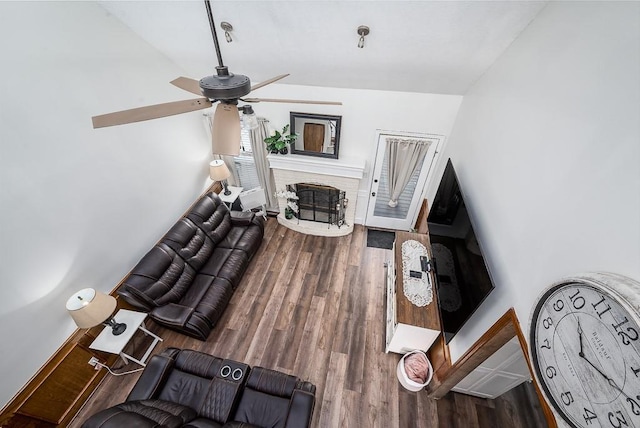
[{"x": 604, "y": 307}]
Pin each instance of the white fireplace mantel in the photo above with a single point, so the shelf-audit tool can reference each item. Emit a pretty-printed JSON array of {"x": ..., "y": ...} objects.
[
  {"x": 344, "y": 174},
  {"x": 350, "y": 168}
]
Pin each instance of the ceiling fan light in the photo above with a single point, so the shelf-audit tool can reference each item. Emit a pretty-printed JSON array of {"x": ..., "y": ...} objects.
[
  {"x": 251, "y": 122},
  {"x": 249, "y": 117}
]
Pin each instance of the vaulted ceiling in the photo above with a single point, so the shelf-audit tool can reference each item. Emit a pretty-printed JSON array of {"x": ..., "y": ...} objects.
[{"x": 415, "y": 46}]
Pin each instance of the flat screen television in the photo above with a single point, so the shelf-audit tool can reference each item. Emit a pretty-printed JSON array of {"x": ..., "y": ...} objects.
[{"x": 462, "y": 278}]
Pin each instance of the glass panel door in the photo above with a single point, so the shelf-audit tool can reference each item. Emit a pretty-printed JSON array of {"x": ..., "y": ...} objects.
[{"x": 401, "y": 217}]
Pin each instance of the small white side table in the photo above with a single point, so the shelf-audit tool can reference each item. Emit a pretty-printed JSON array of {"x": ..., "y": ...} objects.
[
  {"x": 230, "y": 199},
  {"x": 108, "y": 342}
]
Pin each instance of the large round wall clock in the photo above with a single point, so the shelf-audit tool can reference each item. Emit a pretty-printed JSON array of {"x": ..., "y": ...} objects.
[{"x": 585, "y": 349}]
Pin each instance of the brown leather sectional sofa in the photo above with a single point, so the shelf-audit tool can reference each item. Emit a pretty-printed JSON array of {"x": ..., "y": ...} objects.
[
  {"x": 186, "y": 281},
  {"x": 186, "y": 388}
]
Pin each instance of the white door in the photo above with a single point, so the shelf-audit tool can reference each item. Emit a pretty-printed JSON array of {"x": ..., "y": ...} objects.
[
  {"x": 401, "y": 216},
  {"x": 499, "y": 373}
]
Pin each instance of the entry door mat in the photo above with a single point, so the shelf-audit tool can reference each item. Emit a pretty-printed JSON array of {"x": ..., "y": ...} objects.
[{"x": 380, "y": 239}]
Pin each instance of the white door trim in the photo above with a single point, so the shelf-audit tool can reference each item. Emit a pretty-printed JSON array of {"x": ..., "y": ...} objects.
[{"x": 423, "y": 181}]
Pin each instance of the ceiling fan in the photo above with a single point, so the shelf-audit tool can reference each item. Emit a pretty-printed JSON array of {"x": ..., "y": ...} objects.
[{"x": 224, "y": 87}]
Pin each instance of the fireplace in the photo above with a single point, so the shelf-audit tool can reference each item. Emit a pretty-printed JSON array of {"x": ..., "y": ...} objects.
[
  {"x": 316, "y": 174},
  {"x": 319, "y": 203}
]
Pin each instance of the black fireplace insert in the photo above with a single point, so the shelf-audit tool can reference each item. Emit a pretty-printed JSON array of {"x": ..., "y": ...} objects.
[{"x": 319, "y": 203}]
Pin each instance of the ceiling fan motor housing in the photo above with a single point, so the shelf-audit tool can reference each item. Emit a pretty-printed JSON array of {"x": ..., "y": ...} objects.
[{"x": 225, "y": 85}]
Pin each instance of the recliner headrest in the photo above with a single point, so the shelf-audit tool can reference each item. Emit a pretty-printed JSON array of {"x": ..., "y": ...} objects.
[
  {"x": 198, "y": 363},
  {"x": 271, "y": 382}
]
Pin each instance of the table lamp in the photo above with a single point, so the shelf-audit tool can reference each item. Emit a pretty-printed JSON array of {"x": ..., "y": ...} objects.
[
  {"x": 89, "y": 308},
  {"x": 218, "y": 171}
]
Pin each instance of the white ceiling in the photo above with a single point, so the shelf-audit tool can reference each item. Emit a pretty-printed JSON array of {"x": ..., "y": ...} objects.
[{"x": 415, "y": 46}]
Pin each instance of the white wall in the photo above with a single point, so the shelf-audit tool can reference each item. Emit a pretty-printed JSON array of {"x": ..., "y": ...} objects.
[
  {"x": 363, "y": 112},
  {"x": 78, "y": 206},
  {"x": 547, "y": 149}
]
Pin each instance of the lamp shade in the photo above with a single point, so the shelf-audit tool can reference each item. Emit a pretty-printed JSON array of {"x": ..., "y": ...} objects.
[
  {"x": 218, "y": 170},
  {"x": 89, "y": 307}
]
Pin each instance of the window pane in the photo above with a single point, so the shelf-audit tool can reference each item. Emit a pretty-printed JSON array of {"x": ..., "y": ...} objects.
[
  {"x": 246, "y": 171},
  {"x": 245, "y": 141},
  {"x": 245, "y": 165}
]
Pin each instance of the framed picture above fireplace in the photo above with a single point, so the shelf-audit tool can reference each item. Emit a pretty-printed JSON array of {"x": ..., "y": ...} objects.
[{"x": 318, "y": 134}]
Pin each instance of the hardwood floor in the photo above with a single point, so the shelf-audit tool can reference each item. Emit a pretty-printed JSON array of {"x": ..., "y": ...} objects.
[{"x": 314, "y": 307}]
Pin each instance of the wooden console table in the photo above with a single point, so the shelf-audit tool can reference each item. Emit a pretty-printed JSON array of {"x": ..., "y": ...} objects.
[{"x": 408, "y": 326}]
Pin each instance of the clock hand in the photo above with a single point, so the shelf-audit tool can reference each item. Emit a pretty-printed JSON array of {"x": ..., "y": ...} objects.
[
  {"x": 580, "y": 336},
  {"x": 581, "y": 354},
  {"x": 611, "y": 381}
]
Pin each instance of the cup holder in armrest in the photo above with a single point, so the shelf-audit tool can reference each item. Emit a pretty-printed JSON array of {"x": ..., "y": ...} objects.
[
  {"x": 226, "y": 372},
  {"x": 225, "y": 390},
  {"x": 233, "y": 371}
]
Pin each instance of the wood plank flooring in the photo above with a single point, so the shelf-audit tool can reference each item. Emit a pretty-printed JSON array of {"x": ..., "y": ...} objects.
[{"x": 314, "y": 307}]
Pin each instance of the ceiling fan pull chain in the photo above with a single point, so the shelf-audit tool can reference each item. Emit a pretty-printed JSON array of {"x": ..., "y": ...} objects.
[{"x": 213, "y": 32}]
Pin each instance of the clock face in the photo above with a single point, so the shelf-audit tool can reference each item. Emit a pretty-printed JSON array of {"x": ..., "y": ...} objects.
[{"x": 585, "y": 347}]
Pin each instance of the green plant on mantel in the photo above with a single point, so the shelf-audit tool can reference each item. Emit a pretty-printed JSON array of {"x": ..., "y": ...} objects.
[{"x": 278, "y": 142}]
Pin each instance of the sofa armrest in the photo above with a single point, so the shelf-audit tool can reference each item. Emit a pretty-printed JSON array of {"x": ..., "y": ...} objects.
[
  {"x": 172, "y": 314},
  {"x": 152, "y": 378},
  {"x": 242, "y": 218},
  {"x": 300, "y": 409},
  {"x": 306, "y": 386},
  {"x": 135, "y": 299}
]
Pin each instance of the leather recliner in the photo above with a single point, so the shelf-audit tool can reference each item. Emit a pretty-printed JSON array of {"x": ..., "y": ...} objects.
[
  {"x": 186, "y": 388},
  {"x": 187, "y": 279}
]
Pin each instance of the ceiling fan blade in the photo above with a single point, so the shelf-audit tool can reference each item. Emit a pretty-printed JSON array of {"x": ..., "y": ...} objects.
[
  {"x": 268, "y": 81},
  {"x": 188, "y": 84},
  {"x": 276, "y": 100},
  {"x": 225, "y": 130},
  {"x": 149, "y": 112}
]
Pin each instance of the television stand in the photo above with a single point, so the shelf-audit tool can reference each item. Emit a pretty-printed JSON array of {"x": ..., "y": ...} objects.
[{"x": 409, "y": 327}]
